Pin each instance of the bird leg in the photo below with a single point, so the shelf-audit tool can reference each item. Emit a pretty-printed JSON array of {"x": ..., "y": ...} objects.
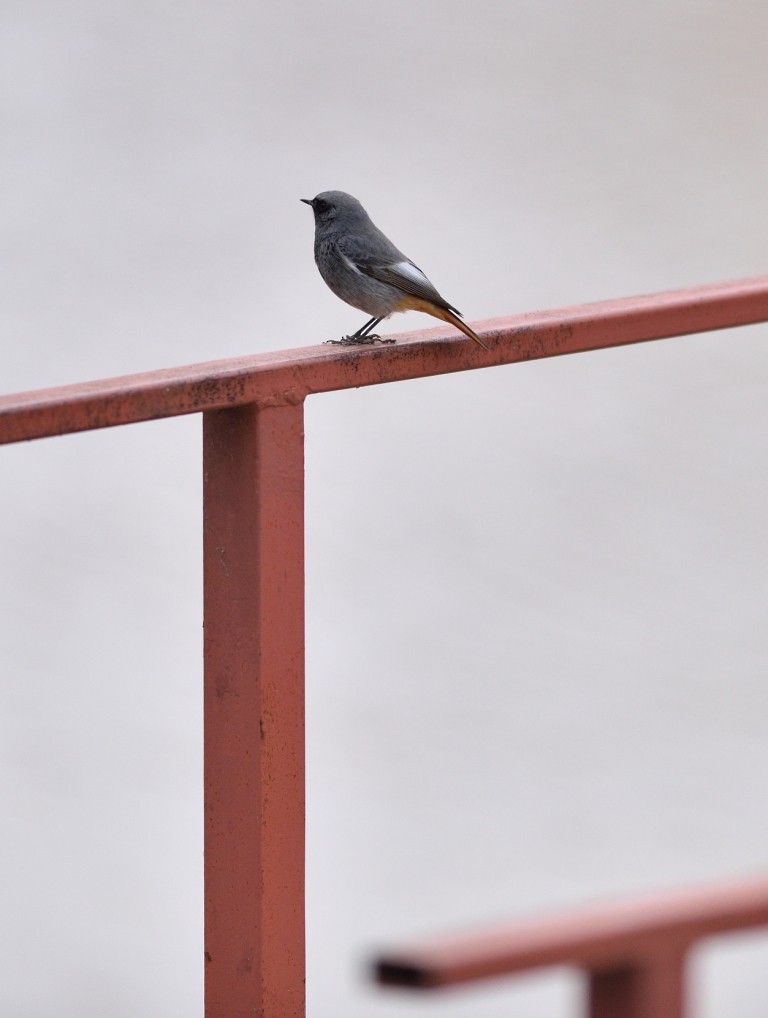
[{"x": 363, "y": 336}]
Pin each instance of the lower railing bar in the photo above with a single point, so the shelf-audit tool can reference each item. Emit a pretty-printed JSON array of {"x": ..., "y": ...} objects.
[{"x": 609, "y": 938}]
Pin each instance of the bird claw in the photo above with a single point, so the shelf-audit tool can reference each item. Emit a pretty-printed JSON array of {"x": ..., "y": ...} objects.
[{"x": 358, "y": 341}]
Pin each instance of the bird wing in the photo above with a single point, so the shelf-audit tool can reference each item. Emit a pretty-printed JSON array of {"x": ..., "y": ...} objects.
[{"x": 384, "y": 262}]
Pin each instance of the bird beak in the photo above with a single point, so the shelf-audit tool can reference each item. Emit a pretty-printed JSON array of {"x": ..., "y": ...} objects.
[{"x": 307, "y": 201}]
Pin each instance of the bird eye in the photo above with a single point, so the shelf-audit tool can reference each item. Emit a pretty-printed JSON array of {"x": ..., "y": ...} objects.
[{"x": 321, "y": 205}]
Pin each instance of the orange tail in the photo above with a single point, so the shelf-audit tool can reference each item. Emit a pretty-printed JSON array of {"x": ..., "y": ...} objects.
[
  {"x": 449, "y": 316},
  {"x": 411, "y": 303}
]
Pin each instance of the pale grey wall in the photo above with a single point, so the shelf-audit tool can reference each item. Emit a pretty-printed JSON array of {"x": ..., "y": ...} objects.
[{"x": 537, "y": 595}]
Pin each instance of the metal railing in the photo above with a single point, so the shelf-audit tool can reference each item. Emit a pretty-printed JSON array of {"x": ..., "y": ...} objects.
[
  {"x": 253, "y": 535},
  {"x": 633, "y": 953}
]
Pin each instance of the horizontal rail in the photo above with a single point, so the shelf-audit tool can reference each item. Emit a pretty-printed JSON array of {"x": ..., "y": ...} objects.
[
  {"x": 613, "y": 938},
  {"x": 287, "y": 377}
]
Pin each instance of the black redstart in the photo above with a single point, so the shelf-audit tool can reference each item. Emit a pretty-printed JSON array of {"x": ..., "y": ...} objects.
[{"x": 366, "y": 270}]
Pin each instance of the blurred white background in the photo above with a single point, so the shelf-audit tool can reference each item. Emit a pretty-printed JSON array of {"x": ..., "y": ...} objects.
[{"x": 536, "y": 595}]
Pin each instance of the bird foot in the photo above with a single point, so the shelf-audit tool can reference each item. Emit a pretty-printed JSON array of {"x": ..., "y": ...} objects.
[{"x": 358, "y": 341}]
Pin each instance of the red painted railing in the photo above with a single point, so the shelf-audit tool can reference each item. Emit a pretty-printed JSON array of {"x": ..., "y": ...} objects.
[
  {"x": 633, "y": 953},
  {"x": 254, "y": 585}
]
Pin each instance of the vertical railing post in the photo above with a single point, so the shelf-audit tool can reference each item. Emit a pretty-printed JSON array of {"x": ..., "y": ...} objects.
[
  {"x": 653, "y": 987},
  {"x": 253, "y": 463}
]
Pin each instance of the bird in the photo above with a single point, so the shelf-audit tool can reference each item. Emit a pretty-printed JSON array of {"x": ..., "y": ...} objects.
[{"x": 365, "y": 269}]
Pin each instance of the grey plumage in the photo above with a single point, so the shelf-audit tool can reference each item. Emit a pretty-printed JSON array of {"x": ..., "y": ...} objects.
[{"x": 365, "y": 269}]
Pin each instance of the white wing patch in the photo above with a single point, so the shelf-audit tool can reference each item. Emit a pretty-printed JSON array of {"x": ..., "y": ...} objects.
[{"x": 410, "y": 271}]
